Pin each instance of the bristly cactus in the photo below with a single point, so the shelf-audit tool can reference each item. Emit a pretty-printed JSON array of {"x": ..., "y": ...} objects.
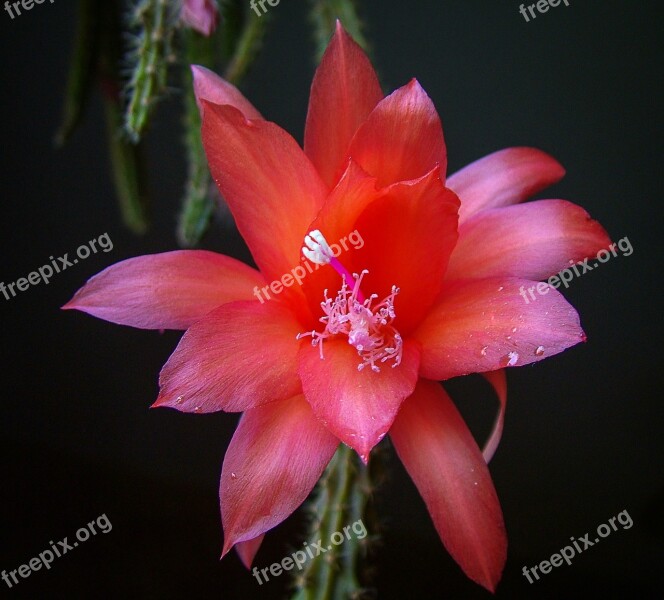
[
  {"x": 340, "y": 499},
  {"x": 152, "y": 23}
]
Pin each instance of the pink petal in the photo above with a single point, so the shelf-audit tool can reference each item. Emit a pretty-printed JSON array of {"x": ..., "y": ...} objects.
[
  {"x": 277, "y": 455},
  {"x": 447, "y": 467},
  {"x": 356, "y": 406},
  {"x": 209, "y": 86},
  {"x": 165, "y": 291},
  {"x": 402, "y": 138},
  {"x": 271, "y": 187},
  {"x": 485, "y": 324},
  {"x": 533, "y": 241},
  {"x": 201, "y": 15},
  {"x": 238, "y": 357},
  {"x": 505, "y": 177},
  {"x": 247, "y": 550},
  {"x": 344, "y": 91},
  {"x": 498, "y": 381}
]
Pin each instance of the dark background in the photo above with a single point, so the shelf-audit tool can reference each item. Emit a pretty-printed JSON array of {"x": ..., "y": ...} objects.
[{"x": 583, "y": 434}]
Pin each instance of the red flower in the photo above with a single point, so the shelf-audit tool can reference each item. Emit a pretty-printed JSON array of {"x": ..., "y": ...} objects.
[
  {"x": 201, "y": 15},
  {"x": 437, "y": 297}
]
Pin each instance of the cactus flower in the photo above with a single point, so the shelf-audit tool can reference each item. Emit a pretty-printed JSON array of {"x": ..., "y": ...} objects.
[{"x": 356, "y": 349}]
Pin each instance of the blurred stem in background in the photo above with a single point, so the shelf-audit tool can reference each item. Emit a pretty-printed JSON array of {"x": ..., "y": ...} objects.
[{"x": 129, "y": 48}]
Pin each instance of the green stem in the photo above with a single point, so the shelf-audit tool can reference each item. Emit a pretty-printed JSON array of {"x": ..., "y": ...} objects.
[
  {"x": 248, "y": 46},
  {"x": 197, "y": 204},
  {"x": 127, "y": 159},
  {"x": 82, "y": 68},
  {"x": 339, "y": 501},
  {"x": 149, "y": 60}
]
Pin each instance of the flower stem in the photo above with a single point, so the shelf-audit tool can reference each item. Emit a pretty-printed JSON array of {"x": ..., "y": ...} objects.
[
  {"x": 152, "y": 53},
  {"x": 339, "y": 502}
]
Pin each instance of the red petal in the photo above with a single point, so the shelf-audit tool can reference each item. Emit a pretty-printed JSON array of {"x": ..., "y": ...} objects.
[
  {"x": 271, "y": 187},
  {"x": 344, "y": 91},
  {"x": 409, "y": 235},
  {"x": 402, "y": 139},
  {"x": 356, "y": 406},
  {"x": 447, "y": 467},
  {"x": 165, "y": 291},
  {"x": 533, "y": 241},
  {"x": 505, "y": 177},
  {"x": 209, "y": 86},
  {"x": 247, "y": 550},
  {"x": 485, "y": 324},
  {"x": 238, "y": 357},
  {"x": 275, "y": 458},
  {"x": 498, "y": 381}
]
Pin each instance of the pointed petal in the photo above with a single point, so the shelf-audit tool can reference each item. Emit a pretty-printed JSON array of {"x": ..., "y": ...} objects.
[
  {"x": 344, "y": 91},
  {"x": 505, "y": 177},
  {"x": 240, "y": 356},
  {"x": 271, "y": 187},
  {"x": 277, "y": 455},
  {"x": 209, "y": 86},
  {"x": 533, "y": 241},
  {"x": 447, "y": 467},
  {"x": 498, "y": 381},
  {"x": 356, "y": 406},
  {"x": 486, "y": 324},
  {"x": 402, "y": 139},
  {"x": 409, "y": 235},
  {"x": 165, "y": 291},
  {"x": 247, "y": 550}
]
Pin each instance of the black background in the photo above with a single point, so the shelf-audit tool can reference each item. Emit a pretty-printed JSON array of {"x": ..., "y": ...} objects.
[{"x": 583, "y": 435}]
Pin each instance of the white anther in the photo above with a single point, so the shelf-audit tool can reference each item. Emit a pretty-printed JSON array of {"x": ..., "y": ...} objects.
[{"x": 317, "y": 249}]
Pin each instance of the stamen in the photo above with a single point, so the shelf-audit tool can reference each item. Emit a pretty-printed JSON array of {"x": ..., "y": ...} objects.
[
  {"x": 318, "y": 251},
  {"x": 368, "y": 328}
]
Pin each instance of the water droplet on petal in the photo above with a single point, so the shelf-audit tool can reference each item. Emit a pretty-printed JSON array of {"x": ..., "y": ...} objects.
[
  {"x": 511, "y": 359},
  {"x": 483, "y": 350},
  {"x": 179, "y": 400},
  {"x": 233, "y": 476},
  {"x": 513, "y": 329},
  {"x": 539, "y": 351},
  {"x": 501, "y": 288},
  {"x": 197, "y": 409}
]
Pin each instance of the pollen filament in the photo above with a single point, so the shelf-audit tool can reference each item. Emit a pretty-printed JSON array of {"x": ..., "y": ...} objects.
[{"x": 368, "y": 327}]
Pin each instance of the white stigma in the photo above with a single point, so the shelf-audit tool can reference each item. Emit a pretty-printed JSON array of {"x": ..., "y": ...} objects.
[{"x": 317, "y": 249}]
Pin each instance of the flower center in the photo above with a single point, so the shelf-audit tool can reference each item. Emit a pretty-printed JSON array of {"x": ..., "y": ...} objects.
[{"x": 367, "y": 326}]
